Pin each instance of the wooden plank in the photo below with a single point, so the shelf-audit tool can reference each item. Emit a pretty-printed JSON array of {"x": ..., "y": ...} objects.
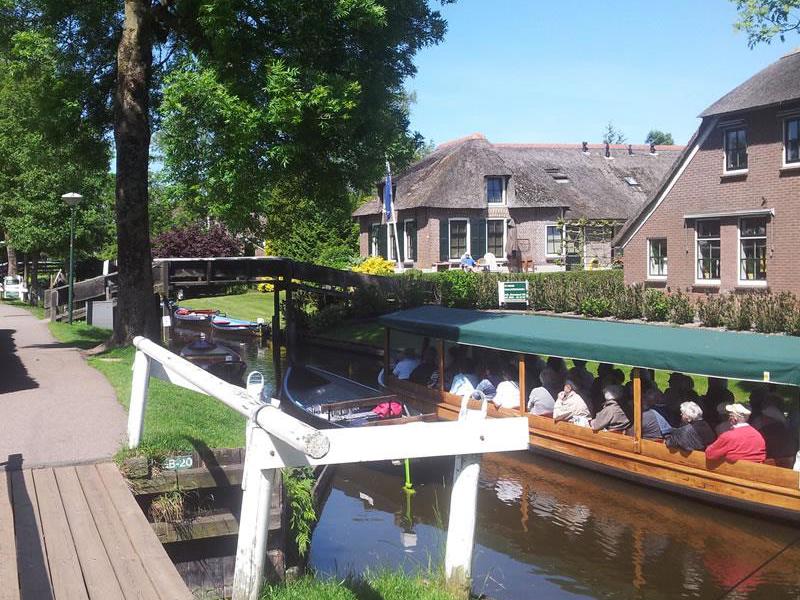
[
  {"x": 157, "y": 564},
  {"x": 98, "y": 574},
  {"x": 189, "y": 479},
  {"x": 128, "y": 568},
  {"x": 34, "y": 580},
  {"x": 9, "y": 590},
  {"x": 65, "y": 571}
]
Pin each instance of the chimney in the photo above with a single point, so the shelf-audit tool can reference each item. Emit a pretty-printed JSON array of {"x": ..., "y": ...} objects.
[
  {"x": 630, "y": 150},
  {"x": 652, "y": 148},
  {"x": 585, "y": 147},
  {"x": 608, "y": 150}
]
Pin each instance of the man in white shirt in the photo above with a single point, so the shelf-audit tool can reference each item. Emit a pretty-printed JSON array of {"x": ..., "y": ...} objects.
[
  {"x": 404, "y": 367},
  {"x": 465, "y": 380},
  {"x": 542, "y": 398}
]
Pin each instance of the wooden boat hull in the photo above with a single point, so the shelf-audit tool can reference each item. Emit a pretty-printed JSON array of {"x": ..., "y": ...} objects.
[{"x": 758, "y": 488}]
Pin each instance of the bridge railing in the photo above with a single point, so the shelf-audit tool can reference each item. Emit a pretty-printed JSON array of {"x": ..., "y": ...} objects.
[{"x": 276, "y": 440}]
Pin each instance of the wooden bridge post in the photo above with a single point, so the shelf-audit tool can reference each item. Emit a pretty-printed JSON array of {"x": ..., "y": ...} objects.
[
  {"x": 138, "y": 402},
  {"x": 251, "y": 548},
  {"x": 463, "y": 511}
]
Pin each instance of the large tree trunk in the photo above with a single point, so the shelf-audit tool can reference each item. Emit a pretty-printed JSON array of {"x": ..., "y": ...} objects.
[
  {"x": 12, "y": 258},
  {"x": 33, "y": 286},
  {"x": 136, "y": 308}
]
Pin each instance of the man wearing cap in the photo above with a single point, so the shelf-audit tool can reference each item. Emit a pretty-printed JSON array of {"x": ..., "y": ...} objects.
[{"x": 741, "y": 442}]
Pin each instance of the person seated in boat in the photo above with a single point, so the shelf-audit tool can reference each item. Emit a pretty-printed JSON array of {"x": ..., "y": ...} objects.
[
  {"x": 507, "y": 395},
  {"x": 654, "y": 425},
  {"x": 741, "y": 442},
  {"x": 454, "y": 355},
  {"x": 489, "y": 376},
  {"x": 558, "y": 365},
  {"x": 427, "y": 372},
  {"x": 695, "y": 433},
  {"x": 465, "y": 380},
  {"x": 533, "y": 367},
  {"x": 542, "y": 398},
  {"x": 680, "y": 389},
  {"x": 405, "y": 366},
  {"x": 580, "y": 375},
  {"x": 569, "y": 406},
  {"x": 611, "y": 417},
  {"x": 779, "y": 436},
  {"x": 717, "y": 393}
]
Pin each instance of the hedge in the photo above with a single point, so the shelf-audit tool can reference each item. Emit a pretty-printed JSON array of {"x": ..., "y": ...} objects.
[{"x": 589, "y": 293}]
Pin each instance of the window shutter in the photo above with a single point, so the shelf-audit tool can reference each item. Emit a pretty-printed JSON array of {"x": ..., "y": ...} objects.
[
  {"x": 444, "y": 240},
  {"x": 401, "y": 239},
  {"x": 382, "y": 237},
  {"x": 477, "y": 234},
  {"x": 414, "y": 241}
]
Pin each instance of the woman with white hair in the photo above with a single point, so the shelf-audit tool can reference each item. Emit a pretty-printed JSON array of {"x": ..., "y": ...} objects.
[{"x": 694, "y": 433}]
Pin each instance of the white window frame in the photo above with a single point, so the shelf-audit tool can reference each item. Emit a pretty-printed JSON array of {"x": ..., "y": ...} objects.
[
  {"x": 748, "y": 282},
  {"x": 725, "y": 131},
  {"x": 407, "y": 239},
  {"x": 654, "y": 276},
  {"x": 546, "y": 253},
  {"x": 450, "y": 237},
  {"x": 503, "y": 187},
  {"x": 505, "y": 236},
  {"x": 374, "y": 250},
  {"x": 784, "y": 164},
  {"x": 697, "y": 280},
  {"x": 391, "y": 248}
]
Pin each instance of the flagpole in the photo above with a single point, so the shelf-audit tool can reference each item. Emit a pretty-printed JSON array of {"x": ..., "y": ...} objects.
[
  {"x": 391, "y": 214},
  {"x": 397, "y": 246}
]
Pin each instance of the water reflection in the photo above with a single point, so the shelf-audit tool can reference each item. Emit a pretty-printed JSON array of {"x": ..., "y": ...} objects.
[{"x": 547, "y": 530}]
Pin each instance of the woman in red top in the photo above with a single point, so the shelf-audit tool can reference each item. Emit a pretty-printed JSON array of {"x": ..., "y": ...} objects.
[{"x": 741, "y": 442}]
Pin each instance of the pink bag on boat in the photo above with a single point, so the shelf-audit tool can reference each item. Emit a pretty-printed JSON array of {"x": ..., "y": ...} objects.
[{"x": 388, "y": 409}]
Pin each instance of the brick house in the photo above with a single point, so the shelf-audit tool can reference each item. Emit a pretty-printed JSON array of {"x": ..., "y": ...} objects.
[
  {"x": 562, "y": 203},
  {"x": 727, "y": 217}
]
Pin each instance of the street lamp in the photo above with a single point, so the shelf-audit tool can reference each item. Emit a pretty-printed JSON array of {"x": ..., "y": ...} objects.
[{"x": 71, "y": 199}]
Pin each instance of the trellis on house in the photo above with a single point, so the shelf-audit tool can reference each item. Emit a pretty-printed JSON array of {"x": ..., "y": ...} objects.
[{"x": 276, "y": 440}]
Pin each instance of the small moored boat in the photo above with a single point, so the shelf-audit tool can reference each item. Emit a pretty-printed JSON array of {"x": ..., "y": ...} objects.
[
  {"x": 218, "y": 359},
  {"x": 324, "y": 400},
  {"x": 194, "y": 315},
  {"x": 229, "y": 325}
]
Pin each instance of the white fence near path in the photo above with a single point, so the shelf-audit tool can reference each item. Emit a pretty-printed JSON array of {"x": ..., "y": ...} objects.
[{"x": 276, "y": 440}]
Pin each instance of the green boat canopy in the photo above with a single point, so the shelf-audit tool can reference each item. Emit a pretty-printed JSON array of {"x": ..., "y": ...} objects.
[{"x": 746, "y": 356}]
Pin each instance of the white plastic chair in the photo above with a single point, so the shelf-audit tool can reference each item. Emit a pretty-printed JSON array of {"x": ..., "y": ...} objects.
[{"x": 490, "y": 260}]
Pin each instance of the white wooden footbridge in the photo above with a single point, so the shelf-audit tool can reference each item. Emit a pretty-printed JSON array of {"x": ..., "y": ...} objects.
[{"x": 276, "y": 440}]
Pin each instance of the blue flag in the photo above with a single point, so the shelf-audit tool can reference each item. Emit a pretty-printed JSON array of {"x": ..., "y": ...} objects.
[{"x": 388, "y": 203}]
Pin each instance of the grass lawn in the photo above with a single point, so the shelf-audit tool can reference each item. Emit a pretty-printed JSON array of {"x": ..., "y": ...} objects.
[
  {"x": 251, "y": 305},
  {"x": 37, "y": 311},
  {"x": 370, "y": 586}
]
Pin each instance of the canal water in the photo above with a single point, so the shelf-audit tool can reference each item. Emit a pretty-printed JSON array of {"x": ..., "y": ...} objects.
[{"x": 545, "y": 530}]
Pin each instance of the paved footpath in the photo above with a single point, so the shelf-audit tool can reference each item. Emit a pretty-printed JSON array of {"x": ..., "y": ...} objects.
[{"x": 54, "y": 407}]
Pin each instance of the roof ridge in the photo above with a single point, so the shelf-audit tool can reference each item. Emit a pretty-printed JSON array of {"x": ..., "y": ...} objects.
[
  {"x": 578, "y": 146},
  {"x": 472, "y": 136}
]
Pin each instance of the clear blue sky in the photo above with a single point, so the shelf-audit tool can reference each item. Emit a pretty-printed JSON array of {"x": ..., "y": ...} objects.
[{"x": 558, "y": 71}]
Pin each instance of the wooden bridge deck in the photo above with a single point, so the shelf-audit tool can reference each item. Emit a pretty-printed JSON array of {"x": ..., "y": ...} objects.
[{"x": 75, "y": 533}]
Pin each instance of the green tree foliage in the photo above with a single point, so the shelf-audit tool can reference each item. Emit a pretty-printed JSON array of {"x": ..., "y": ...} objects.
[
  {"x": 612, "y": 135},
  {"x": 47, "y": 148},
  {"x": 762, "y": 20},
  {"x": 659, "y": 138}
]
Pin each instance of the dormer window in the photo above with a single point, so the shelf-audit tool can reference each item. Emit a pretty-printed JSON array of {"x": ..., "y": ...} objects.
[
  {"x": 495, "y": 190},
  {"x": 631, "y": 181},
  {"x": 557, "y": 174},
  {"x": 735, "y": 143}
]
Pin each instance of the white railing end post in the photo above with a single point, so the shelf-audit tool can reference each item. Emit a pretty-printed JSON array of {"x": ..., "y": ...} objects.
[{"x": 138, "y": 401}]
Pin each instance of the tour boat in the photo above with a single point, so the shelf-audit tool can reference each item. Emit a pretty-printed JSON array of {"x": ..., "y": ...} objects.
[
  {"x": 325, "y": 400},
  {"x": 218, "y": 359},
  {"x": 755, "y": 487}
]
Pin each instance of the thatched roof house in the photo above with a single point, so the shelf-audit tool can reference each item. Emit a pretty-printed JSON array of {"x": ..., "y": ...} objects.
[{"x": 536, "y": 185}]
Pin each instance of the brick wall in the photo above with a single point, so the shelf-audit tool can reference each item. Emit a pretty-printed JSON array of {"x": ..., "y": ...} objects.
[{"x": 702, "y": 188}]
